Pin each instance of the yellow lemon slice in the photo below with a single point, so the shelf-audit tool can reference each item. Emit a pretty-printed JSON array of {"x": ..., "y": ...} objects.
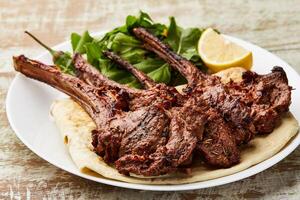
[{"x": 218, "y": 53}]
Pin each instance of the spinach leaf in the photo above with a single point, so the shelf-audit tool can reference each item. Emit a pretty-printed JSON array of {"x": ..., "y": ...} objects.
[
  {"x": 161, "y": 74},
  {"x": 93, "y": 52},
  {"x": 144, "y": 20},
  {"x": 79, "y": 41},
  {"x": 122, "y": 41},
  {"x": 183, "y": 42},
  {"x": 149, "y": 64}
]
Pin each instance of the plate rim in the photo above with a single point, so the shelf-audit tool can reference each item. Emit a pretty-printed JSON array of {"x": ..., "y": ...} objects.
[{"x": 255, "y": 169}]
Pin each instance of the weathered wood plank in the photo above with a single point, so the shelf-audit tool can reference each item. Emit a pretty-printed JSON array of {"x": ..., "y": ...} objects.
[{"x": 23, "y": 175}]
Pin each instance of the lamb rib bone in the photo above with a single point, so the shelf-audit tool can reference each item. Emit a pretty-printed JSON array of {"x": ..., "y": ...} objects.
[
  {"x": 217, "y": 146},
  {"x": 142, "y": 136},
  {"x": 204, "y": 87},
  {"x": 143, "y": 79},
  {"x": 253, "y": 106}
]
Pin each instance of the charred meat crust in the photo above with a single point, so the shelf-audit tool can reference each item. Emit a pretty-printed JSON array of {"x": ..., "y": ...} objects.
[
  {"x": 157, "y": 130},
  {"x": 251, "y": 107},
  {"x": 124, "y": 129}
]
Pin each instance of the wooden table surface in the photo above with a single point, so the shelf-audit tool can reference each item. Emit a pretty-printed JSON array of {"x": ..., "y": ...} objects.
[{"x": 274, "y": 25}]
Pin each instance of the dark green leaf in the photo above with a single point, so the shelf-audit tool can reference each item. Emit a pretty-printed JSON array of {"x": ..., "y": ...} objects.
[
  {"x": 74, "y": 40},
  {"x": 131, "y": 21},
  {"x": 93, "y": 52},
  {"x": 123, "y": 42},
  {"x": 150, "y": 64},
  {"x": 174, "y": 35},
  {"x": 161, "y": 74},
  {"x": 78, "y": 41}
]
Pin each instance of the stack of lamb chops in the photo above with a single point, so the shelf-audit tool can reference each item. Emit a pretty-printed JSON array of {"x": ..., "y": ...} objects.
[{"x": 157, "y": 130}]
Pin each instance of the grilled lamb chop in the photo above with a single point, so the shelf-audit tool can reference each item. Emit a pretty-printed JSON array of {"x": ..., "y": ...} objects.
[
  {"x": 268, "y": 96},
  {"x": 217, "y": 146},
  {"x": 156, "y": 131},
  {"x": 250, "y": 107},
  {"x": 148, "y": 140}
]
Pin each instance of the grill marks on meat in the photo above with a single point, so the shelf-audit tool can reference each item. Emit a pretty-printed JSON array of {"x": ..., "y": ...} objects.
[
  {"x": 218, "y": 145},
  {"x": 268, "y": 96},
  {"x": 93, "y": 100},
  {"x": 231, "y": 108},
  {"x": 246, "y": 106},
  {"x": 205, "y": 88},
  {"x": 185, "y": 127},
  {"x": 188, "y": 118},
  {"x": 156, "y": 130},
  {"x": 133, "y": 128},
  {"x": 139, "y": 132}
]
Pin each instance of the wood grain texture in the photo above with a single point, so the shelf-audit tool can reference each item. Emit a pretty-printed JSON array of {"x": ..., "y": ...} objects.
[{"x": 274, "y": 25}]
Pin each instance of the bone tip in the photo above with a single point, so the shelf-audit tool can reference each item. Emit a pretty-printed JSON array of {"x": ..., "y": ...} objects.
[
  {"x": 138, "y": 29},
  {"x": 106, "y": 52},
  {"x": 18, "y": 57},
  {"x": 76, "y": 56},
  {"x": 16, "y": 60},
  {"x": 109, "y": 54}
]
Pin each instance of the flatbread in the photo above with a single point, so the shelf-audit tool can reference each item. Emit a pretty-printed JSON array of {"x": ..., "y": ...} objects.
[{"x": 75, "y": 127}]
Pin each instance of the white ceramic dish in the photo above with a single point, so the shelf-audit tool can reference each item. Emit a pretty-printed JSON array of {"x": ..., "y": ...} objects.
[{"x": 28, "y": 104}]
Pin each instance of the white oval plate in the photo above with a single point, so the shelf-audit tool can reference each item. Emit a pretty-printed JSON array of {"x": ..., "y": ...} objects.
[{"x": 28, "y": 104}]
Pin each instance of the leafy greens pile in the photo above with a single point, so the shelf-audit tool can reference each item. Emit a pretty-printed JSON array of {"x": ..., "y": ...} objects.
[{"x": 122, "y": 41}]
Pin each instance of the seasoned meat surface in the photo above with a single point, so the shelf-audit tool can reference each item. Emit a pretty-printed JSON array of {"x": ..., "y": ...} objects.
[
  {"x": 185, "y": 128},
  {"x": 144, "y": 127},
  {"x": 244, "y": 105},
  {"x": 218, "y": 145},
  {"x": 268, "y": 96},
  {"x": 157, "y": 130},
  {"x": 252, "y": 106}
]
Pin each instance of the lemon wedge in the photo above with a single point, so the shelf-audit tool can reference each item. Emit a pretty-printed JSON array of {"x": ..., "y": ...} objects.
[{"x": 218, "y": 53}]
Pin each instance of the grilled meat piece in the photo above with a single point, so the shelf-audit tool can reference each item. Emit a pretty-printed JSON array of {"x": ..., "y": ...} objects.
[
  {"x": 268, "y": 96},
  {"x": 190, "y": 110},
  {"x": 251, "y": 107},
  {"x": 184, "y": 127},
  {"x": 157, "y": 130},
  {"x": 205, "y": 88},
  {"x": 148, "y": 134},
  {"x": 218, "y": 146}
]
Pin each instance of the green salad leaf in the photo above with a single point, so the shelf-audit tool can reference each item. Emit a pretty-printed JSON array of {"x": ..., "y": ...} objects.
[
  {"x": 122, "y": 41},
  {"x": 183, "y": 42},
  {"x": 79, "y": 41}
]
